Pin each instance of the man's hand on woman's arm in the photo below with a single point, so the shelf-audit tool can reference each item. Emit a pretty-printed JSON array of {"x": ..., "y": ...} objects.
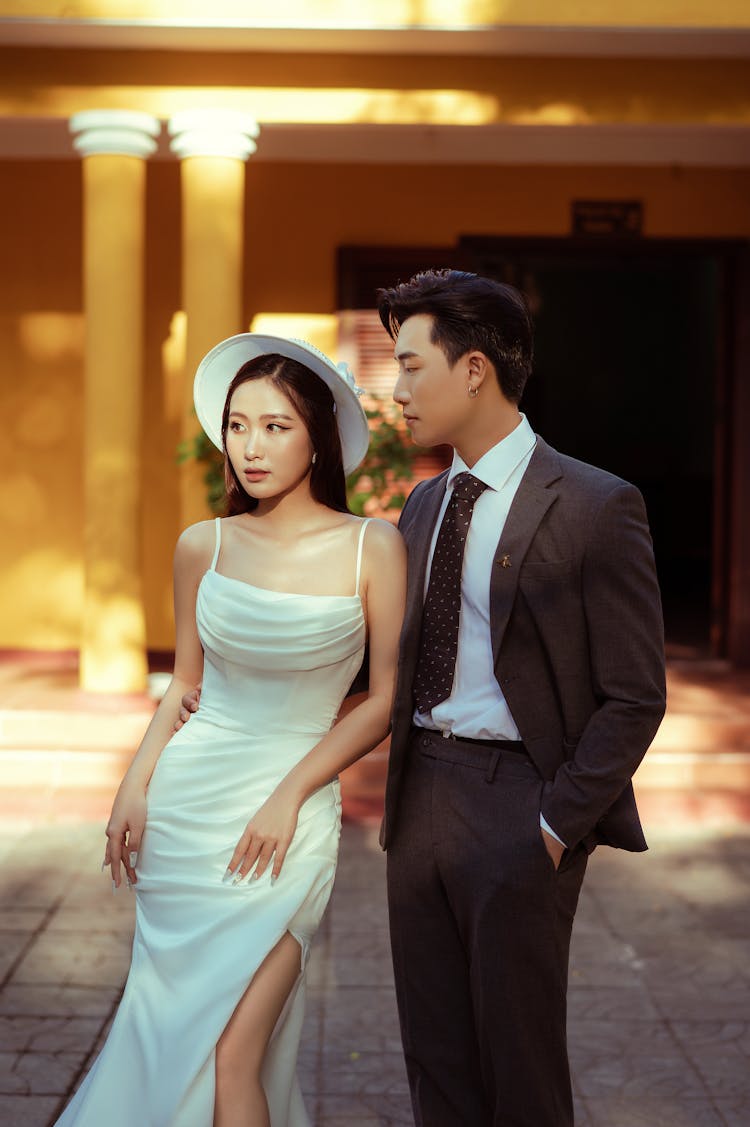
[{"x": 189, "y": 703}]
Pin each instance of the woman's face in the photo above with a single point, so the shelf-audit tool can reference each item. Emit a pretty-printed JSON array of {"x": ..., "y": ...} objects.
[{"x": 267, "y": 441}]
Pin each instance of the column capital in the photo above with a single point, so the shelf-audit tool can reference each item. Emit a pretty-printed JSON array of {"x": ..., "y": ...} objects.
[
  {"x": 213, "y": 132},
  {"x": 122, "y": 132}
]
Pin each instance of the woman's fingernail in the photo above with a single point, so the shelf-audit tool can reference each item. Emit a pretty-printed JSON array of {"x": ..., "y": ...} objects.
[
  {"x": 227, "y": 876},
  {"x": 130, "y": 884},
  {"x": 273, "y": 881},
  {"x": 104, "y": 865},
  {"x": 114, "y": 888},
  {"x": 256, "y": 876},
  {"x": 133, "y": 859},
  {"x": 238, "y": 878}
]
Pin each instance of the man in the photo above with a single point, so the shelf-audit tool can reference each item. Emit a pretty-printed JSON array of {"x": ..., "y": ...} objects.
[{"x": 531, "y": 684}]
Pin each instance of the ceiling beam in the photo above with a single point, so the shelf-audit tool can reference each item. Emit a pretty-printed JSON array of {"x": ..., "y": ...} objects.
[{"x": 493, "y": 40}]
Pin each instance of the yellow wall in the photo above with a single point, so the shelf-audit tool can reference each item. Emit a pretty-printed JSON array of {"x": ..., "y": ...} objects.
[
  {"x": 41, "y": 392},
  {"x": 296, "y": 217}
]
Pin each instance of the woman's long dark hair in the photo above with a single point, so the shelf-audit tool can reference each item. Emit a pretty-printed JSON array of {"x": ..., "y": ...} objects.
[{"x": 314, "y": 401}]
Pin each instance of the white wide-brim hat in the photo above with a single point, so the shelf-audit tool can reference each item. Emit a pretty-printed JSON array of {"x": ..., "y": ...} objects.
[{"x": 218, "y": 368}]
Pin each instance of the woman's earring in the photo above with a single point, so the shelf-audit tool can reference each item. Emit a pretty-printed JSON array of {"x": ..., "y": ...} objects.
[
  {"x": 314, "y": 457},
  {"x": 473, "y": 392}
]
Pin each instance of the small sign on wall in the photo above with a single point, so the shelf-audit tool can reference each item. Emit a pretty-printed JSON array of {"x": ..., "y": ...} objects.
[{"x": 607, "y": 217}]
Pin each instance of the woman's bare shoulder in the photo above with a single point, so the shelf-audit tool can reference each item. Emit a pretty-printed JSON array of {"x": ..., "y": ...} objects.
[
  {"x": 383, "y": 541},
  {"x": 196, "y": 542}
]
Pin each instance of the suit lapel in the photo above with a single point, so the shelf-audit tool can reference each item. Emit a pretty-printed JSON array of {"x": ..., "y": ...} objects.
[
  {"x": 533, "y": 498},
  {"x": 418, "y": 536}
]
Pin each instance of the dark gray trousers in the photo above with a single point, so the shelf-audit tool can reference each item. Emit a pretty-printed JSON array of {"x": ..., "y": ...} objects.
[{"x": 480, "y": 931}]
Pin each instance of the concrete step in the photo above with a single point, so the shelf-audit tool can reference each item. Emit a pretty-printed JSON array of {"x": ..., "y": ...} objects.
[
  {"x": 65, "y": 767},
  {"x": 79, "y": 749},
  {"x": 63, "y": 751},
  {"x": 74, "y": 730}
]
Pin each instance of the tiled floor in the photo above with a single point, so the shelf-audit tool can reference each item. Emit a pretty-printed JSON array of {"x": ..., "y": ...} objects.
[
  {"x": 660, "y": 971},
  {"x": 659, "y": 989}
]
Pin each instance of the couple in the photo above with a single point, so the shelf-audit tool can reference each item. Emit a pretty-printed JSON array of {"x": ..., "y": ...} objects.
[{"x": 528, "y": 682}]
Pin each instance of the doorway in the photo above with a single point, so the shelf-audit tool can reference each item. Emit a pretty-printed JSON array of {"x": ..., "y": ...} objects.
[{"x": 628, "y": 376}]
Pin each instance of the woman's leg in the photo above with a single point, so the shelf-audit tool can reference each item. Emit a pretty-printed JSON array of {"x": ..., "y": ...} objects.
[{"x": 240, "y": 1099}]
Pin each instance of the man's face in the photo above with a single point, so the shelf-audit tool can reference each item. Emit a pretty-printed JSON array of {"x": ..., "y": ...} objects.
[{"x": 433, "y": 395}]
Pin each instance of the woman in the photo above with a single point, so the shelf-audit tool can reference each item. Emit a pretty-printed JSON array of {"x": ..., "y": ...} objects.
[{"x": 228, "y": 831}]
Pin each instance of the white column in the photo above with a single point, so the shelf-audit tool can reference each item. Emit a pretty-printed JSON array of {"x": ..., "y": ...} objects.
[
  {"x": 213, "y": 146},
  {"x": 114, "y": 145}
]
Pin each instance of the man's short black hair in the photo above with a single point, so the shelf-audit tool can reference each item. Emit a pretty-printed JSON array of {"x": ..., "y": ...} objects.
[{"x": 469, "y": 313}]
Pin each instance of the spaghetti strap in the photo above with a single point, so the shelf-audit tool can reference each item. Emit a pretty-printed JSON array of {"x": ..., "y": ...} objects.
[
  {"x": 359, "y": 552},
  {"x": 217, "y": 549}
]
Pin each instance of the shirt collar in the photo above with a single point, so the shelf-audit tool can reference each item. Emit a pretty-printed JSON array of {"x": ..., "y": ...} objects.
[{"x": 496, "y": 466}]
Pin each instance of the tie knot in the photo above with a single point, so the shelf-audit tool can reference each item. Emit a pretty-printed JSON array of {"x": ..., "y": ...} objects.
[{"x": 468, "y": 487}]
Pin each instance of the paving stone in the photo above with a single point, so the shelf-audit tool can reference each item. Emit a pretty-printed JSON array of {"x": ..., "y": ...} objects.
[
  {"x": 27, "y": 1111},
  {"x": 651, "y": 1112},
  {"x": 51, "y": 1001},
  {"x": 370, "y": 1034},
  {"x": 10, "y": 1082},
  {"x": 369, "y": 1073},
  {"x": 659, "y": 1029},
  {"x": 694, "y": 1035},
  {"x": 370, "y": 917},
  {"x": 94, "y": 917},
  {"x": 581, "y": 1113},
  {"x": 356, "y": 1110},
  {"x": 724, "y": 965},
  {"x": 95, "y": 896},
  {"x": 724, "y": 1072},
  {"x": 47, "y": 1074},
  {"x": 345, "y": 1121},
  {"x": 22, "y": 919},
  {"x": 21, "y": 1034},
  {"x": 12, "y": 944},
  {"x": 30, "y": 888},
  {"x": 613, "y": 1003},
  {"x": 80, "y": 959},
  {"x": 345, "y": 944},
  {"x": 588, "y": 1037},
  {"x": 639, "y": 1077},
  {"x": 692, "y": 1005},
  {"x": 351, "y": 1002},
  {"x": 351, "y": 970},
  {"x": 736, "y": 1113}
]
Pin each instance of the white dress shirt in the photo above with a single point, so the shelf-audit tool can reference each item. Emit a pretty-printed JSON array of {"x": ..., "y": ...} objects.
[{"x": 476, "y": 707}]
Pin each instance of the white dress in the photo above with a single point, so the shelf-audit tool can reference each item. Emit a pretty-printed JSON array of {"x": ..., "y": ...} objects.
[{"x": 276, "y": 669}]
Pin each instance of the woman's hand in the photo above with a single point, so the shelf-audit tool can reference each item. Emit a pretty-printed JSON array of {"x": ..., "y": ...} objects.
[
  {"x": 268, "y": 834},
  {"x": 125, "y": 830}
]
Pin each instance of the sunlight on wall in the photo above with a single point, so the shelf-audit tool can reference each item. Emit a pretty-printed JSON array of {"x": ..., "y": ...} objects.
[
  {"x": 115, "y": 614},
  {"x": 554, "y": 113},
  {"x": 317, "y": 328},
  {"x": 42, "y": 597},
  {"x": 266, "y": 104},
  {"x": 362, "y": 14},
  {"x": 173, "y": 355}
]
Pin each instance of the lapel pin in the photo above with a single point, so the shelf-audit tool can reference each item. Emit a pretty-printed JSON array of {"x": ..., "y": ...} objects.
[{"x": 504, "y": 561}]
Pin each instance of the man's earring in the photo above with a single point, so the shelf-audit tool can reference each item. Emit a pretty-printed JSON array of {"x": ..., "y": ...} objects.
[
  {"x": 314, "y": 457},
  {"x": 473, "y": 392}
]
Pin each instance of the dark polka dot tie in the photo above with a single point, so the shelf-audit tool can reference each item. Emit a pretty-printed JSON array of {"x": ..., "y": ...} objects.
[{"x": 438, "y": 646}]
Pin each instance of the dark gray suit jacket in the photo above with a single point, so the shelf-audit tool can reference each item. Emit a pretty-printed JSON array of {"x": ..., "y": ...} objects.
[{"x": 577, "y": 639}]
